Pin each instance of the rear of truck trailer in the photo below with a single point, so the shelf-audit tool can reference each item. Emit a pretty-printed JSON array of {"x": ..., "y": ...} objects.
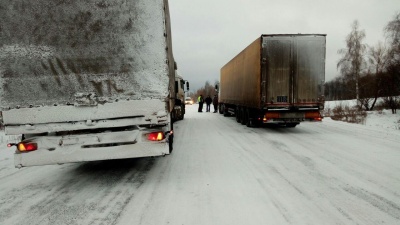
[
  {"x": 276, "y": 79},
  {"x": 294, "y": 71},
  {"x": 86, "y": 80}
]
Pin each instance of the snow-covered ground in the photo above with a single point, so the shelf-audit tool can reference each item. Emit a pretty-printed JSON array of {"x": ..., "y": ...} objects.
[
  {"x": 383, "y": 119},
  {"x": 222, "y": 172}
]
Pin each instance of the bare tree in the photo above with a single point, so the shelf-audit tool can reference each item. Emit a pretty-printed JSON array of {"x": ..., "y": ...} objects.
[
  {"x": 392, "y": 31},
  {"x": 352, "y": 62},
  {"x": 377, "y": 59}
]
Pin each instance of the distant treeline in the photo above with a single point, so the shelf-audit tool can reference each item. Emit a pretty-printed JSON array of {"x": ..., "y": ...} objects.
[{"x": 370, "y": 86}]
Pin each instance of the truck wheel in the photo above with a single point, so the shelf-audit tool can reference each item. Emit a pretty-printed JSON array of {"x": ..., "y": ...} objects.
[
  {"x": 237, "y": 114},
  {"x": 250, "y": 119},
  {"x": 171, "y": 138},
  {"x": 182, "y": 116},
  {"x": 243, "y": 119},
  {"x": 171, "y": 143},
  {"x": 224, "y": 109},
  {"x": 173, "y": 116}
]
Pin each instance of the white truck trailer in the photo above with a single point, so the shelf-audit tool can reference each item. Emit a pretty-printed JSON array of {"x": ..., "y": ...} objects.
[{"x": 86, "y": 80}]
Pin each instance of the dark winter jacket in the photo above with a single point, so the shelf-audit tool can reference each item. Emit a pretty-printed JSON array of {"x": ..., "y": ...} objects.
[
  {"x": 215, "y": 100},
  {"x": 208, "y": 100}
]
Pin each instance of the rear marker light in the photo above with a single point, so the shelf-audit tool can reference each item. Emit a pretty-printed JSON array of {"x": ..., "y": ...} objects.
[
  {"x": 156, "y": 136},
  {"x": 24, "y": 147}
]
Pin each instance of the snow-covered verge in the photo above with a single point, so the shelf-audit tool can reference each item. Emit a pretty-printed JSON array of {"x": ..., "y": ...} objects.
[
  {"x": 383, "y": 119},
  {"x": 378, "y": 119}
]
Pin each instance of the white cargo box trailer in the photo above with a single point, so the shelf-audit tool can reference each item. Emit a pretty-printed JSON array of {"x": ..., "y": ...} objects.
[{"x": 86, "y": 80}]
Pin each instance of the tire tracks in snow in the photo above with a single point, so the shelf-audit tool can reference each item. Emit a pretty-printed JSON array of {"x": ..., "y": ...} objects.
[
  {"x": 331, "y": 186},
  {"x": 375, "y": 200},
  {"x": 90, "y": 193}
]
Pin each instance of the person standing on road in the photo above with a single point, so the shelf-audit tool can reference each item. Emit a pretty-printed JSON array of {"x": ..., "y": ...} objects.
[
  {"x": 215, "y": 103},
  {"x": 208, "y": 102},
  {"x": 200, "y": 100}
]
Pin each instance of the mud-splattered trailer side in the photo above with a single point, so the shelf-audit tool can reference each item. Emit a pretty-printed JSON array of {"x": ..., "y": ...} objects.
[
  {"x": 68, "y": 66},
  {"x": 51, "y": 50}
]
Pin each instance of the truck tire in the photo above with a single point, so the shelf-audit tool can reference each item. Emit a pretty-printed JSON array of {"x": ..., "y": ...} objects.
[
  {"x": 171, "y": 138},
  {"x": 173, "y": 116},
  {"x": 237, "y": 114},
  {"x": 224, "y": 109},
  {"x": 171, "y": 143},
  {"x": 243, "y": 116},
  {"x": 250, "y": 118},
  {"x": 182, "y": 116}
]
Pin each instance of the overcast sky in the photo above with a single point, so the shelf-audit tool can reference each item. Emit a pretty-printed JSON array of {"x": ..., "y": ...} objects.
[{"x": 206, "y": 34}]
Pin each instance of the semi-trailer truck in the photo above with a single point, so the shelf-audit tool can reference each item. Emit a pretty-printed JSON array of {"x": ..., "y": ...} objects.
[{"x": 278, "y": 78}]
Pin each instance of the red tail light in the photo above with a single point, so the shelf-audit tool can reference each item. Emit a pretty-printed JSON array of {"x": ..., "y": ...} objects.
[
  {"x": 272, "y": 115},
  {"x": 24, "y": 147},
  {"x": 316, "y": 116},
  {"x": 156, "y": 136}
]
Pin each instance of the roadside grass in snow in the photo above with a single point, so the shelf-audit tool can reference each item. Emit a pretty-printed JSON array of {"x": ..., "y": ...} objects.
[
  {"x": 348, "y": 111},
  {"x": 351, "y": 114}
]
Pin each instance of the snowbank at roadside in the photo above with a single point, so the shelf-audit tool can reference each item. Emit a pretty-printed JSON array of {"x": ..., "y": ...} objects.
[{"x": 383, "y": 119}]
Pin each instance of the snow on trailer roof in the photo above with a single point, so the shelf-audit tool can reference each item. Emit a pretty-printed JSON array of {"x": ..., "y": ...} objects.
[{"x": 117, "y": 54}]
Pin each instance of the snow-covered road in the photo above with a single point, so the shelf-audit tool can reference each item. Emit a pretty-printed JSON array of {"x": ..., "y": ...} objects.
[{"x": 220, "y": 172}]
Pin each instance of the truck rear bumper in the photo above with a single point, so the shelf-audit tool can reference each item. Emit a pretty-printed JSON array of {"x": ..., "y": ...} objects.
[
  {"x": 291, "y": 117},
  {"x": 38, "y": 158},
  {"x": 91, "y": 147}
]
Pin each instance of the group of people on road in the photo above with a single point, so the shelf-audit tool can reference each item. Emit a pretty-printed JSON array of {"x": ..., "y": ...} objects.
[{"x": 208, "y": 102}]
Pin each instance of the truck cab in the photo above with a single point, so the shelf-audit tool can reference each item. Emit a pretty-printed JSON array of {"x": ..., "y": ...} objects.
[{"x": 179, "y": 108}]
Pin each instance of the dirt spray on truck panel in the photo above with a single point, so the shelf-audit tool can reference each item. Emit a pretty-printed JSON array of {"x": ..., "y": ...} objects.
[{"x": 81, "y": 46}]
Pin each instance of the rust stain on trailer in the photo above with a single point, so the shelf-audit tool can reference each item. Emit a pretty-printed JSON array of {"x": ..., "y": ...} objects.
[
  {"x": 55, "y": 73},
  {"x": 106, "y": 85},
  {"x": 60, "y": 64},
  {"x": 98, "y": 86},
  {"x": 75, "y": 71},
  {"x": 113, "y": 86},
  {"x": 44, "y": 65},
  {"x": 44, "y": 86},
  {"x": 71, "y": 66},
  {"x": 129, "y": 25}
]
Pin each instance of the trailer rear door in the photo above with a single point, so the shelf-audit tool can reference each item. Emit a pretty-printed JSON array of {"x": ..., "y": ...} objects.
[
  {"x": 295, "y": 70},
  {"x": 309, "y": 71},
  {"x": 277, "y": 51}
]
